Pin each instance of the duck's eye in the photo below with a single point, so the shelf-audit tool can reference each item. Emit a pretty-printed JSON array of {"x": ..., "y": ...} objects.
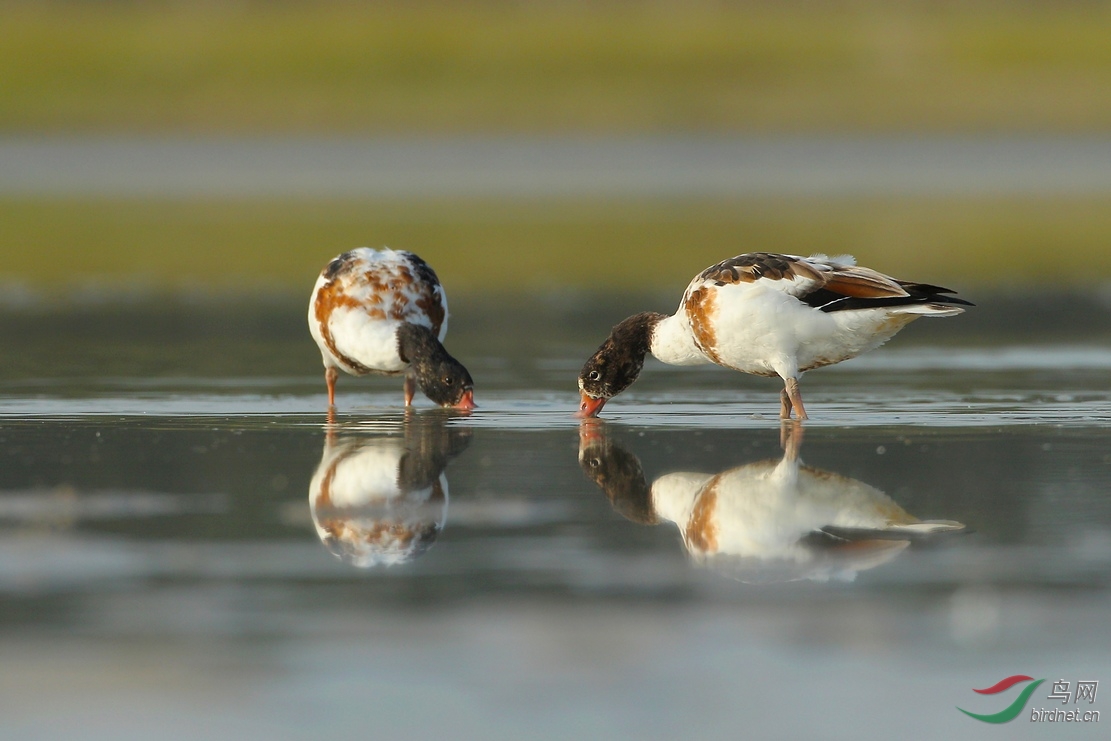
[
  {"x": 447, "y": 380},
  {"x": 594, "y": 375}
]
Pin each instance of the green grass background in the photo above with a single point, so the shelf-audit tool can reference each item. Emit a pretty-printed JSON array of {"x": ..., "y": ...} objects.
[
  {"x": 538, "y": 68},
  {"x": 493, "y": 247},
  {"x": 618, "y": 67}
]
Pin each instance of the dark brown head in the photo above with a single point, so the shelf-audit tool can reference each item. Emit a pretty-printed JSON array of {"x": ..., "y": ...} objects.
[
  {"x": 617, "y": 472},
  {"x": 442, "y": 378},
  {"x": 617, "y": 363}
]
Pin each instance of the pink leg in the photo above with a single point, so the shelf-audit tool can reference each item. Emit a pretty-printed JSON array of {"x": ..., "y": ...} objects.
[
  {"x": 330, "y": 376},
  {"x": 784, "y": 405},
  {"x": 792, "y": 389},
  {"x": 410, "y": 389}
]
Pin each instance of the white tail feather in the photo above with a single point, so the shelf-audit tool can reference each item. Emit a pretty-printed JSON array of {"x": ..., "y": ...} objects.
[
  {"x": 928, "y": 309},
  {"x": 928, "y": 526}
]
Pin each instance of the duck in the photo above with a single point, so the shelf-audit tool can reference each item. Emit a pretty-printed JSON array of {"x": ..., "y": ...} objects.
[
  {"x": 766, "y": 314},
  {"x": 767, "y": 521},
  {"x": 384, "y": 311}
]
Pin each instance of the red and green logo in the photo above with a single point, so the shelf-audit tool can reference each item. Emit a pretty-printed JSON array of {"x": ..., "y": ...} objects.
[{"x": 1010, "y": 712}]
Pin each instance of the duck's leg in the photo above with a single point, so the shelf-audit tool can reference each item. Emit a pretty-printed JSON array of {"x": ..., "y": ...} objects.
[
  {"x": 330, "y": 376},
  {"x": 784, "y": 404},
  {"x": 791, "y": 388},
  {"x": 410, "y": 389}
]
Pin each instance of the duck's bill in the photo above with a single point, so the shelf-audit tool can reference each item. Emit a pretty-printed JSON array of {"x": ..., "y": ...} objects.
[
  {"x": 590, "y": 406},
  {"x": 466, "y": 401}
]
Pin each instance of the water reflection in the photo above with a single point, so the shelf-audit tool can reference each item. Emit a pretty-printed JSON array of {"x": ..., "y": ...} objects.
[
  {"x": 768, "y": 521},
  {"x": 382, "y": 499}
]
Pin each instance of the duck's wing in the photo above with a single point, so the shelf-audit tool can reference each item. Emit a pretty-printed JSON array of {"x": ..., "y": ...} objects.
[
  {"x": 385, "y": 284},
  {"x": 792, "y": 275},
  {"x": 422, "y": 293},
  {"x": 802, "y": 276},
  {"x": 849, "y": 286},
  {"x": 825, "y": 283}
]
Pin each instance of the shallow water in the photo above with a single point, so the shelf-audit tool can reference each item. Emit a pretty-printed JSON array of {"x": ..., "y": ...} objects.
[{"x": 189, "y": 550}]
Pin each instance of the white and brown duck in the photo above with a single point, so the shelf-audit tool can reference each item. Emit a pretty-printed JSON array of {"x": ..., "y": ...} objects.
[
  {"x": 384, "y": 311},
  {"x": 768, "y": 315}
]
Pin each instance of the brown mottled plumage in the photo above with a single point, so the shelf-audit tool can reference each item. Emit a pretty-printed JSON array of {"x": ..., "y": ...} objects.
[{"x": 385, "y": 312}]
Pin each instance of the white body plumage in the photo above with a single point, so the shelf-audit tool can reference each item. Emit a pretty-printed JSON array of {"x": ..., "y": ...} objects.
[{"x": 760, "y": 325}]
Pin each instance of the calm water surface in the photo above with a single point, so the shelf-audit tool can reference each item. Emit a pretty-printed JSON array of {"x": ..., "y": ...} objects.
[{"x": 188, "y": 550}]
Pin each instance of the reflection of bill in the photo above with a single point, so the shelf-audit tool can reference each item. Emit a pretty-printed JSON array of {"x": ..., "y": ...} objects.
[
  {"x": 776, "y": 520},
  {"x": 383, "y": 499}
]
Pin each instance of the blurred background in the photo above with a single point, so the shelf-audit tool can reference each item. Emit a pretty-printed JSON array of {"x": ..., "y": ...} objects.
[
  {"x": 174, "y": 175},
  {"x": 545, "y": 146}
]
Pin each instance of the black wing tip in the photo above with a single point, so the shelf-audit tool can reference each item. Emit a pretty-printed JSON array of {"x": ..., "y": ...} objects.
[
  {"x": 933, "y": 293},
  {"x": 829, "y": 301}
]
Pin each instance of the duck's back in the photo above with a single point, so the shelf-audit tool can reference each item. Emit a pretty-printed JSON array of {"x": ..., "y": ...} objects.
[
  {"x": 771, "y": 314},
  {"x": 361, "y": 298}
]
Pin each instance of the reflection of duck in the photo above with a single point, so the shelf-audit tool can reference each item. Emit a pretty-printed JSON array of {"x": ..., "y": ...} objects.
[
  {"x": 776, "y": 520},
  {"x": 383, "y": 500}
]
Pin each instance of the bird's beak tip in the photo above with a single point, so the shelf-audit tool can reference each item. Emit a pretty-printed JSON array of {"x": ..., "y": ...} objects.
[
  {"x": 590, "y": 407},
  {"x": 466, "y": 401}
]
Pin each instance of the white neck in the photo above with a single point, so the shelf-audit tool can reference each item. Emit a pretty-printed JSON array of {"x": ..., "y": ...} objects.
[{"x": 673, "y": 343}]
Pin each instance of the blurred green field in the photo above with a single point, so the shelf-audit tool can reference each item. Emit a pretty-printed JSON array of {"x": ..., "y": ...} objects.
[
  {"x": 618, "y": 68},
  {"x": 56, "y": 246},
  {"x": 628, "y": 67}
]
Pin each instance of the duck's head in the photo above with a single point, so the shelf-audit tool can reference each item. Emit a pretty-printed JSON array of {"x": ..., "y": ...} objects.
[
  {"x": 446, "y": 382},
  {"x": 442, "y": 378},
  {"x": 617, "y": 363},
  {"x": 603, "y": 377}
]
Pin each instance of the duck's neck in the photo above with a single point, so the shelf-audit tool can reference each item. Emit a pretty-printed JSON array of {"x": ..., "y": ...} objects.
[
  {"x": 670, "y": 341},
  {"x": 632, "y": 337},
  {"x": 417, "y": 344}
]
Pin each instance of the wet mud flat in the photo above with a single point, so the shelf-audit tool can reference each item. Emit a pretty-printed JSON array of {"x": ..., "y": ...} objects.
[{"x": 189, "y": 549}]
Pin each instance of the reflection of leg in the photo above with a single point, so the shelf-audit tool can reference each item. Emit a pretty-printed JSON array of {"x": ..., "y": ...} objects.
[
  {"x": 790, "y": 439},
  {"x": 410, "y": 389},
  {"x": 330, "y": 376},
  {"x": 792, "y": 389}
]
